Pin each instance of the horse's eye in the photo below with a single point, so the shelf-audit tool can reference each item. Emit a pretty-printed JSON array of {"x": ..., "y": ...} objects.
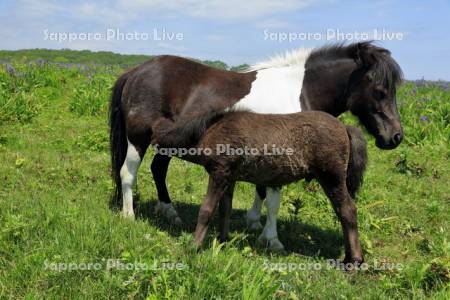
[{"x": 379, "y": 95}]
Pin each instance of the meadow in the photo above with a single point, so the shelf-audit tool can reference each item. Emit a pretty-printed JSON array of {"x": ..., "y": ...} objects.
[{"x": 59, "y": 238}]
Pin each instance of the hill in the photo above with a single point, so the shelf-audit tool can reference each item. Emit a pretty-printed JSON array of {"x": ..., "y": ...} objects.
[{"x": 91, "y": 57}]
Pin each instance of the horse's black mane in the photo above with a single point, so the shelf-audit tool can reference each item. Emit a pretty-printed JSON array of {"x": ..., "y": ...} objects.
[
  {"x": 384, "y": 68},
  {"x": 328, "y": 53}
]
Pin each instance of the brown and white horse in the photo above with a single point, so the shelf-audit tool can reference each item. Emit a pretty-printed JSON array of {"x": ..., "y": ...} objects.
[{"x": 359, "y": 77}]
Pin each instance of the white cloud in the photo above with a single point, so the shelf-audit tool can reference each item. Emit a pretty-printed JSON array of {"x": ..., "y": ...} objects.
[
  {"x": 216, "y": 37},
  {"x": 43, "y": 8},
  {"x": 103, "y": 12},
  {"x": 272, "y": 23},
  {"x": 122, "y": 11},
  {"x": 217, "y": 9},
  {"x": 172, "y": 47},
  {"x": 23, "y": 27},
  {"x": 100, "y": 12}
]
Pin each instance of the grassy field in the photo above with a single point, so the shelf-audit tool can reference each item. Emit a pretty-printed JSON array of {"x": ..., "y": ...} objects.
[{"x": 60, "y": 239}]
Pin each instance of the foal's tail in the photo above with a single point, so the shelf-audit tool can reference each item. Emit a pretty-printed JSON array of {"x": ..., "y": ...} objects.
[
  {"x": 358, "y": 160},
  {"x": 117, "y": 136}
]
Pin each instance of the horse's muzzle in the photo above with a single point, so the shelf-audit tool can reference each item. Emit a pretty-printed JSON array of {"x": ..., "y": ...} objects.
[{"x": 390, "y": 143}]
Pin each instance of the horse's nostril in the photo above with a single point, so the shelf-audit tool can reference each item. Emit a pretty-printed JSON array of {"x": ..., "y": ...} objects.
[{"x": 397, "y": 138}]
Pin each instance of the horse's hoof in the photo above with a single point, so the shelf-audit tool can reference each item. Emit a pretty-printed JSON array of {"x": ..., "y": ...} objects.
[
  {"x": 168, "y": 211},
  {"x": 273, "y": 245},
  {"x": 254, "y": 225},
  {"x": 128, "y": 215},
  {"x": 177, "y": 221},
  {"x": 276, "y": 246}
]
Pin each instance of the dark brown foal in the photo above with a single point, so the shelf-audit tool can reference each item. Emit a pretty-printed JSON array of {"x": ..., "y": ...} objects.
[{"x": 310, "y": 145}]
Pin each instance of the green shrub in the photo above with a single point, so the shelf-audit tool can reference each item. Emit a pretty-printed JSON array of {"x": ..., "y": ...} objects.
[
  {"x": 21, "y": 107},
  {"x": 90, "y": 97},
  {"x": 24, "y": 89},
  {"x": 425, "y": 112}
]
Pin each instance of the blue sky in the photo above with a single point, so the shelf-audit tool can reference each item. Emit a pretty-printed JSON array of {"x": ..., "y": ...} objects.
[{"x": 234, "y": 31}]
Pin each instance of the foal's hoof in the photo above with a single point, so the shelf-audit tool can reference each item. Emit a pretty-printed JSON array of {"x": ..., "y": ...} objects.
[
  {"x": 223, "y": 239},
  {"x": 273, "y": 245},
  {"x": 353, "y": 264},
  {"x": 168, "y": 211},
  {"x": 254, "y": 225}
]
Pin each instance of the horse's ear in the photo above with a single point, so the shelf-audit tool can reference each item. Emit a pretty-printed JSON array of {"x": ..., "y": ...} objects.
[
  {"x": 370, "y": 76},
  {"x": 364, "y": 54},
  {"x": 384, "y": 51}
]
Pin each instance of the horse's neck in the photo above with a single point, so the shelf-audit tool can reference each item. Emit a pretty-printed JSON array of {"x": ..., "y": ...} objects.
[
  {"x": 275, "y": 91},
  {"x": 328, "y": 93}
]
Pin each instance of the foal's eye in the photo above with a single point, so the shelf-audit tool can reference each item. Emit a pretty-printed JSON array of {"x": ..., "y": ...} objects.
[{"x": 379, "y": 94}]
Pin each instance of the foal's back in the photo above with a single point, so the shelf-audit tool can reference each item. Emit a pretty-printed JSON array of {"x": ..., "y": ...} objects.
[{"x": 319, "y": 144}]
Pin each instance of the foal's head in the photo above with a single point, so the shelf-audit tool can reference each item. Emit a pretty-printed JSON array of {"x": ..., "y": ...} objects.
[{"x": 371, "y": 93}]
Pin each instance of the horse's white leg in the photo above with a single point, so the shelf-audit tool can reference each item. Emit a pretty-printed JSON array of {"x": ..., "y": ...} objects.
[
  {"x": 128, "y": 174},
  {"x": 269, "y": 236},
  {"x": 254, "y": 213}
]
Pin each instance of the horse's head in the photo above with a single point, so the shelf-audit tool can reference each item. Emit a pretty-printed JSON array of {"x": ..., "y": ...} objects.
[{"x": 371, "y": 94}]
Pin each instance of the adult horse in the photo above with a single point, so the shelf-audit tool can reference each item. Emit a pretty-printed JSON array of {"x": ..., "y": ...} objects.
[{"x": 359, "y": 77}]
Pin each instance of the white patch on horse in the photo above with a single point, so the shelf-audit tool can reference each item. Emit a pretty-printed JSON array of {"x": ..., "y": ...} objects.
[
  {"x": 128, "y": 174},
  {"x": 275, "y": 91},
  {"x": 278, "y": 84}
]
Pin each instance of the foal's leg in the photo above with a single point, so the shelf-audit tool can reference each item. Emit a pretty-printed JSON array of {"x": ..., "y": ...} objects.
[
  {"x": 217, "y": 188},
  {"x": 346, "y": 211},
  {"x": 225, "y": 206},
  {"x": 128, "y": 174},
  {"x": 164, "y": 206},
  {"x": 254, "y": 213},
  {"x": 269, "y": 236}
]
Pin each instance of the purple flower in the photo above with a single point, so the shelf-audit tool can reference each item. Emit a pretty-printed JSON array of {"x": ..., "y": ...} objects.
[
  {"x": 425, "y": 99},
  {"x": 10, "y": 70},
  {"x": 424, "y": 118}
]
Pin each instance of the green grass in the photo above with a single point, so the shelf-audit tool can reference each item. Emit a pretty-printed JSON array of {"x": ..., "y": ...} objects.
[{"x": 54, "y": 210}]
